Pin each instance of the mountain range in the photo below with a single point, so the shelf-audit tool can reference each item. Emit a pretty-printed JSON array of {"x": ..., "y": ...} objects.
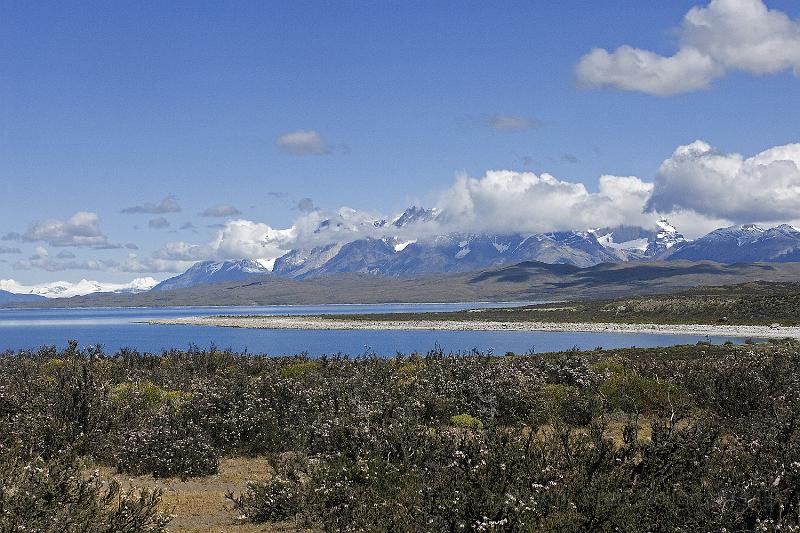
[
  {"x": 465, "y": 252},
  {"x": 399, "y": 256},
  {"x": 66, "y": 289},
  {"x": 527, "y": 281}
]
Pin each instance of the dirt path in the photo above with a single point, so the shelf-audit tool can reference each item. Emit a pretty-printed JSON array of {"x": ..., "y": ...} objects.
[{"x": 199, "y": 504}]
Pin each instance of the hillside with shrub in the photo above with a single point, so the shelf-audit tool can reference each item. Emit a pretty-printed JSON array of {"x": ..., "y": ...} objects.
[{"x": 685, "y": 438}]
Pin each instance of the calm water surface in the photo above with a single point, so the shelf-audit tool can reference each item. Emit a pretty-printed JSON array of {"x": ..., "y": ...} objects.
[{"x": 115, "y": 328}]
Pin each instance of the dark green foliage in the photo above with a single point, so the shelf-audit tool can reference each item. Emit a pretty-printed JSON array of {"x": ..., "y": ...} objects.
[
  {"x": 711, "y": 436},
  {"x": 164, "y": 445},
  {"x": 270, "y": 501},
  {"x": 761, "y": 302},
  {"x": 49, "y": 496}
]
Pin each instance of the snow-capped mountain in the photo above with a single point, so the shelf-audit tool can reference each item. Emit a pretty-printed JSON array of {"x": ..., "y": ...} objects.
[
  {"x": 66, "y": 289},
  {"x": 454, "y": 252},
  {"x": 10, "y": 297},
  {"x": 666, "y": 240},
  {"x": 406, "y": 252},
  {"x": 629, "y": 242},
  {"x": 746, "y": 243},
  {"x": 415, "y": 215},
  {"x": 214, "y": 272}
]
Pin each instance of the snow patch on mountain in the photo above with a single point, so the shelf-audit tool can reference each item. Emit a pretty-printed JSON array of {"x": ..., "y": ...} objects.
[
  {"x": 667, "y": 237},
  {"x": 402, "y": 245},
  {"x": 66, "y": 289},
  {"x": 501, "y": 248}
]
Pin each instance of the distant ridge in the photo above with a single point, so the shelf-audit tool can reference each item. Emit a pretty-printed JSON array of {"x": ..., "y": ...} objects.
[
  {"x": 526, "y": 281},
  {"x": 465, "y": 252},
  {"x": 10, "y": 297},
  {"x": 206, "y": 272}
]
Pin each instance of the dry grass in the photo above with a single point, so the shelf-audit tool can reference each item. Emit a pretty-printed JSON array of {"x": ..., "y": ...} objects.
[{"x": 199, "y": 504}]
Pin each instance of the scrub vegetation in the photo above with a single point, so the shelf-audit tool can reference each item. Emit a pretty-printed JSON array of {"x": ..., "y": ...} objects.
[
  {"x": 687, "y": 438},
  {"x": 757, "y": 303}
]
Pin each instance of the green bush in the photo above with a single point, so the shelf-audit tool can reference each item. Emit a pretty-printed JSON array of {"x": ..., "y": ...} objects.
[
  {"x": 166, "y": 445},
  {"x": 371, "y": 444},
  {"x": 50, "y": 496},
  {"x": 570, "y": 404},
  {"x": 466, "y": 421},
  {"x": 632, "y": 393},
  {"x": 147, "y": 395},
  {"x": 269, "y": 501}
]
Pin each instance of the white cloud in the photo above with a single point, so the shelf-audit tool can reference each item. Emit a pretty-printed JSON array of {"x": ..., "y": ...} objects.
[
  {"x": 220, "y": 210},
  {"x": 697, "y": 188},
  {"x": 153, "y": 264},
  {"x": 509, "y": 201},
  {"x": 168, "y": 205},
  {"x": 81, "y": 229},
  {"x": 763, "y": 188},
  {"x": 723, "y": 36},
  {"x": 244, "y": 238},
  {"x": 255, "y": 240},
  {"x": 303, "y": 142},
  {"x": 184, "y": 251},
  {"x": 41, "y": 260},
  {"x": 236, "y": 239}
]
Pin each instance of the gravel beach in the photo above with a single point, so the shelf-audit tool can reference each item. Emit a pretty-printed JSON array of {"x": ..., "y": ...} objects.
[{"x": 311, "y": 322}]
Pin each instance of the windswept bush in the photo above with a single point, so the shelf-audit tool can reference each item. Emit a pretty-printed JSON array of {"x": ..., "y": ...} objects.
[
  {"x": 49, "y": 496},
  {"x": 689, "y": 438},
  {"x": 166, "y": 445}
]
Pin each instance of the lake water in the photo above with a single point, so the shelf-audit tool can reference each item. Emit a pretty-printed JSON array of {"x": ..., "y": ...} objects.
[{"x": 115, "y": 328}]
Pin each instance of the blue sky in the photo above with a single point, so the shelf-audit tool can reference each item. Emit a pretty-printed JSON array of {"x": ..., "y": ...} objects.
[{"x": 109, "y": 105}]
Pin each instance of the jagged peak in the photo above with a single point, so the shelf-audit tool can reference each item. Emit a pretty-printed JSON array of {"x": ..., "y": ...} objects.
[{"x": 415, "y": 214}]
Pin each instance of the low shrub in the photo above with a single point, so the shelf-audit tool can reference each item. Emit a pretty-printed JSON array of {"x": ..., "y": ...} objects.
[
  {"x": 466, "y": 421},
  {"x": 164, "y": 446},
  {"x": 50, "y": 496},
  {"x": 270, "y": 501}
]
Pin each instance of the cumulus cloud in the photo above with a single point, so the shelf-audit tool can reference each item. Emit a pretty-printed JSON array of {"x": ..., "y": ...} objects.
[
  {"x": 158, "y": 223},
  {"x": 131, "y": 246},
  {"x": 236, "y": 239},
  {"x": 303, "y": 142},
  {"x": 724, "y": 36},
  {"x": 764, "y": 187},
  {"x": 220, "y": 210},
  {"x": 9, "y": 250},
  {"x": 241, "y": 238},
  {"x": 134, "y": 264},
  {"x": 697, "y": 188},
  {"x": 510, "y": 201},
  {"x": 510, "y": 123},
  {"x": 168, "y": 205},
  {"x": 81, "y": 229},
  {"x": 41, "y": 260}
]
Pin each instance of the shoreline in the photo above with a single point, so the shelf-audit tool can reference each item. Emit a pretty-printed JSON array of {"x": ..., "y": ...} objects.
[{"x": 318, "y": 323}]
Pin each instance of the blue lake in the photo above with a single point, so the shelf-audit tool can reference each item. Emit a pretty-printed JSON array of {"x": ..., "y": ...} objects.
[{"x": 115, "y": 328}]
